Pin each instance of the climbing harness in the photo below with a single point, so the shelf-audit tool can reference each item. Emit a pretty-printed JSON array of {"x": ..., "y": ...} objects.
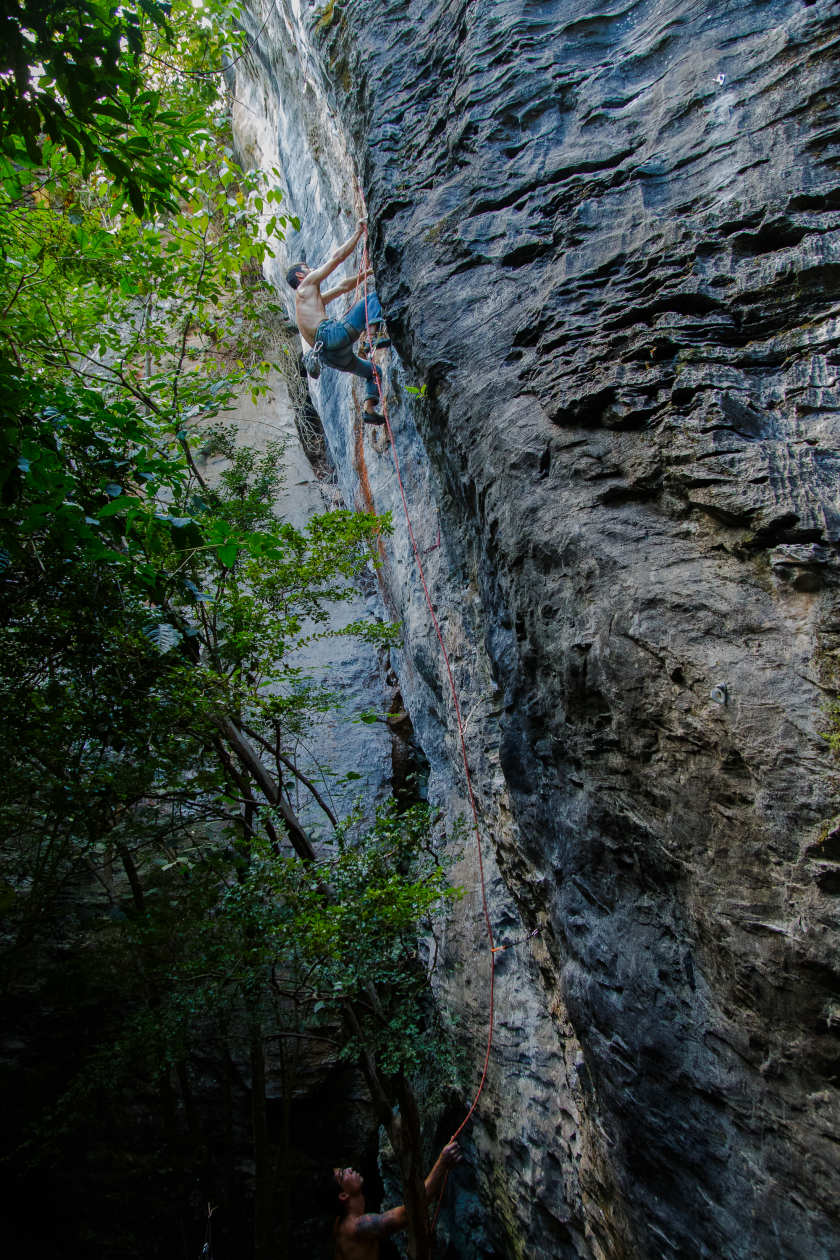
[
  {"x": 312, "y": 361},
  {"x": 383, "y": 406}
]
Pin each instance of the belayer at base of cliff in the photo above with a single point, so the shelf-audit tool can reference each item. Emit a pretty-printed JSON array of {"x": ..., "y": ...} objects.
[
  {"x": 333, "y": 339},
  {"x": 356, "y": 1233}
]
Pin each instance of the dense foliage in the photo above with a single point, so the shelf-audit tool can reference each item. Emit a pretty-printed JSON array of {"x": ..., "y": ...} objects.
[
  {"x": 99, "y": 82},
  {"x": 156, "y": 886}
]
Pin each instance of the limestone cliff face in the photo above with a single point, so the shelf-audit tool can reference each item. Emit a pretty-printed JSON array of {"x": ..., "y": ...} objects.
[{"x": 607, "y": 237}]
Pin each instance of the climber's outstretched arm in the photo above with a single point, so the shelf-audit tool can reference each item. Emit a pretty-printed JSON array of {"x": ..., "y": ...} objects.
[
  {"x": 345, "y": 286},
  {"x": 448, "y": 1158},
  {"x": 338, "y": 256}
]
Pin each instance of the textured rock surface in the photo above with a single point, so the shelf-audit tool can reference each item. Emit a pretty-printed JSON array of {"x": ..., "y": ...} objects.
[
  {"x": 526, "y": 1149},
  {"x": 608, "y": 239}
]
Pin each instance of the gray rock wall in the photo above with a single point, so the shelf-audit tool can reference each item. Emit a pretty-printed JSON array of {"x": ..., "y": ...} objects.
[
  {"x": 525, "y": 1152},
  {"x": 607, "y": 238}
]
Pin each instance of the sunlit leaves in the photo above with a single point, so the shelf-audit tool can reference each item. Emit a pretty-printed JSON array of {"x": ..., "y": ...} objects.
[
  {"x": 164, "y": 636},
  {"x": 78, "y": 73}
]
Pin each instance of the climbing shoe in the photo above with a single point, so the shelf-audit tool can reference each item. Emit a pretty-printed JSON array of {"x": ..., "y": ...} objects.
[
  {"x": 373, "y": 417},
  {"x": 379, "y": 339}
]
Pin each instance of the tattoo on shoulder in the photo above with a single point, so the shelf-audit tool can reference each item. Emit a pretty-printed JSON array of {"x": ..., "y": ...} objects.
[{"x": 372, "y": 1225}]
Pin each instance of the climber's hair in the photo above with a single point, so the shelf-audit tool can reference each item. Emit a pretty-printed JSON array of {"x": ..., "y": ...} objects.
[
  {"x": 328, "y": 1192},
  {"x": 292, "y": 274}
]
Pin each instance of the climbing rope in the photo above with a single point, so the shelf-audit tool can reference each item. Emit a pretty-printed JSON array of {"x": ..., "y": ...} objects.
[{"x": 363, "y": 270}]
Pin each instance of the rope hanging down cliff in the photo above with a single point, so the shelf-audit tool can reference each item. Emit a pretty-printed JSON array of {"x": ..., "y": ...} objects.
[{"x": 384, "y": 410}]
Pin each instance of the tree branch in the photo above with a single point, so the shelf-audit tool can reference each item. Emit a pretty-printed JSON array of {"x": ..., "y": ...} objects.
[
  {"x": 301, "y": 842},
  {"x": 381, "y": 1105},
  {"x": 297, "y": 773}
]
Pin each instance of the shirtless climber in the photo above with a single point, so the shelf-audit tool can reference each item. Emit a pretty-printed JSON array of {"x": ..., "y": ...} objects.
[
  {"x": 337, "y": 335},
  {"x": 356, "y": 1233}
]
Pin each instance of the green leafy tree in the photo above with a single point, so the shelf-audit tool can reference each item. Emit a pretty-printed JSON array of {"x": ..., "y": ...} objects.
[
  {"x": 125, "y": 698},
  {"x": 95, "y": 80},
  {"x": 152, "y": 622}
]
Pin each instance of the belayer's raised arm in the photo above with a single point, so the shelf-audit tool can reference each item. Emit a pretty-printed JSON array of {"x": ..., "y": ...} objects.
[{"x": 357, "y": 1233}]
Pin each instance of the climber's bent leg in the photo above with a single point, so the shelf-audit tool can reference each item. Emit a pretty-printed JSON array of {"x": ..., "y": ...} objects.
[
  {"x": 356, "y": 315},
  {"x": 337, "y": 337},
  {"x": 371, "y": 414},
  {"x": 363, "y": 368}
]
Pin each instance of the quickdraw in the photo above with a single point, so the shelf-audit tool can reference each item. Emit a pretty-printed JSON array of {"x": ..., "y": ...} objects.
[{"x": 500, "y": 949}]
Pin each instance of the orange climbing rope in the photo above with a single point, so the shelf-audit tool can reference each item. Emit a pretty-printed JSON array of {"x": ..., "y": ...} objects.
[{"x": 363, "y": 270}]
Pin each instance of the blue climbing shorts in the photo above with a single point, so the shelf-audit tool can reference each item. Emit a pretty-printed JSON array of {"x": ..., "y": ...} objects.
[{"x": 338, "y": 335}]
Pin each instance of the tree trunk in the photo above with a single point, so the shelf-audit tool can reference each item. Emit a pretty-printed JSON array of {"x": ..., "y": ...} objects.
[
  {"x": 301, "y": 842},
  {"x": 230, "y": 1155},
  {"x": 406, "y": 1138},
  {"x": 167, "y": 1101},
  {"x": 170, "y": 1122},
  {"x": 283, "y": 1166},
  {"x": 407, "y": 1141},
  {"x": 201, "y": 1151},
  {"x": 264, "y": 1179},
  {"x": 133, "y": 878}
]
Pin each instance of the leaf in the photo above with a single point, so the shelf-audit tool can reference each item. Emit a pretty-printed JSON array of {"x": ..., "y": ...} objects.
[
  {"x": 198, "y": 595},
  {"x": 112, "y": 508},
  {"x": 227, "y": 554},
  {"x": 164, "y": 636},
  {"x": 185, "y": 534},
  {"x": 113, "y": 490}
]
